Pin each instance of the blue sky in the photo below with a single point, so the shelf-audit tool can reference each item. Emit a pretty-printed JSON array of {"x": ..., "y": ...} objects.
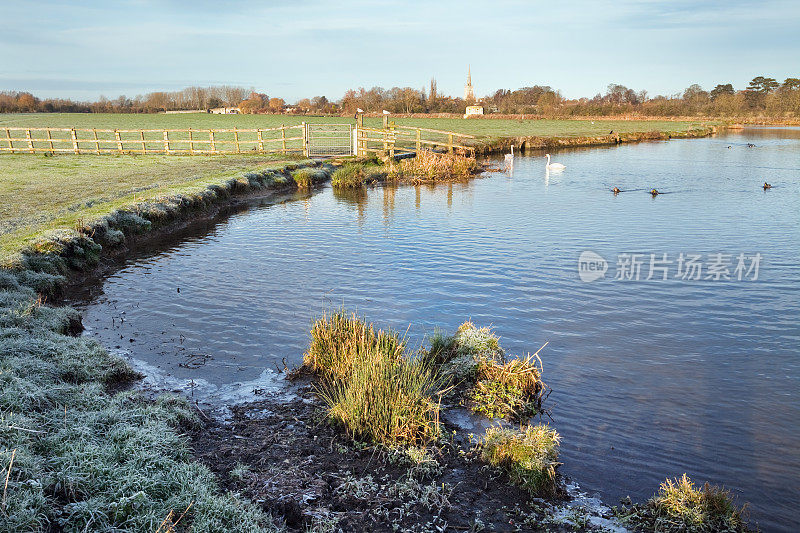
[{"x": 295, "y": 49}]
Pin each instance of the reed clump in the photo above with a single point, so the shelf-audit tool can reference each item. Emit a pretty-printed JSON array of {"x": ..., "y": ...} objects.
[
  {"x": 529, "y": 456},
  {"x": 681, "y": 506},
  {"x": 433, "y": 166},
  {"x": 368, "y": 384},
  {"x": 341, "y": 339}
]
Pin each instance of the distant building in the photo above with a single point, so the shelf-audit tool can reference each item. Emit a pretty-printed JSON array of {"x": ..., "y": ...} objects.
[
  {"x": 225, "y": 111},
  {"x": 181, "y": 111},
  {"x": 473, "y": 110},
  {"x": 469, "y": 94}
]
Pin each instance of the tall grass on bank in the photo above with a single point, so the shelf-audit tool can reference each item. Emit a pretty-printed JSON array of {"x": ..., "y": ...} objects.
[
  {"x": 369, "y": 385},
  {"x": 340, "y": 340},
  {"x": 680, "y": 506},
  {"x": 433, "y": 166},
  {"x": 529, "y": 456},
  {"x": 78, "y": 458}
]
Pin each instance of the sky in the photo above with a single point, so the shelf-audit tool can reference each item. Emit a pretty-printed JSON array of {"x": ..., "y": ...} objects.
[{"x": 303, "y": 48}]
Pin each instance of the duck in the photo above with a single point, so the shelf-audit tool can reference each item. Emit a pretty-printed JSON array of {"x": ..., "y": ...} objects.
[
  {"x": 654, "y": 192},
  {"x": 616, "y": 190},
  {"x": 767, "y": 186}
]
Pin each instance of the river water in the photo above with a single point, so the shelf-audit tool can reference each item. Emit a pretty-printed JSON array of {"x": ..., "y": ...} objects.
[{"x": 651, "y": 377}]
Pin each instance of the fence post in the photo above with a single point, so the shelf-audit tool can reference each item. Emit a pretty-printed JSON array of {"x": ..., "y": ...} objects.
[
  {"x": 96, "y": 142},
  {"x": 30, "y": 141},
  {"x": 144, "y": 144},
  {"x": 166, "y": 142},
  {"x": 260, "y": 142},
  {"x": 450, "y": 142},
  {"x": 419, "y": 144},
  {"x": 191, "y": 142},
  {"x": 74, "y": 136},
  {"x": 10, "y": 142},
  {"x": 211, "y": 138},
  {"x": 236, "y": 139},
  {"x": 119, "y": 141},
  {"x": 50, "y": 139},
  {"x": 305, "y": 139},
  {"x": 283, "y": 138}
]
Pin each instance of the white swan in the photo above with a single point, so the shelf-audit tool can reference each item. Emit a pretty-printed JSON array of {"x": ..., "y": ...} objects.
[
  {"x": 553, "y": 166},
  {"x": 509, "y": 160}
]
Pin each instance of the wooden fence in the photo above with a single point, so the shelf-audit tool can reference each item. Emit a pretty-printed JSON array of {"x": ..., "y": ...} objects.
[
  {"x": 285, "y": 139},
  {"x": 302, "y": 138},
  {"x": 399, "y": 139}
]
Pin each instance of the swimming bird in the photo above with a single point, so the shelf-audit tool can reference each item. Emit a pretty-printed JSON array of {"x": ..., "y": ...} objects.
[
  {"x": 751, "y": 145},
  {"x": 654, "y": 192},
  {"x": 767, "y": 186},
  {"x": 509, "y": 159},
  {"x": 554, "y": 166},
  {"x": 616, "y": 190}
]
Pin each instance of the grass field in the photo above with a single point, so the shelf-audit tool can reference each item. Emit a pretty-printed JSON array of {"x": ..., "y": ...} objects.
[
  {"x": 483, "y": 128},
  {"x": 38, "y": 193}
]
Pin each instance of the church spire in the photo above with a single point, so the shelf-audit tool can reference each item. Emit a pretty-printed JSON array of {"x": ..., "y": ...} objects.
[{"x": 469, "y": 94}]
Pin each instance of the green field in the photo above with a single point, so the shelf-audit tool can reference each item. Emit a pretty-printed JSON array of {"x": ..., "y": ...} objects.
[
  {"x": 38, "y": 193},
  {"x": 483, "y": 128}
]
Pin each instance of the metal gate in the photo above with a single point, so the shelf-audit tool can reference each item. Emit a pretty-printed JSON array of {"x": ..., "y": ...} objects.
[{"x": 329, "y": 140}]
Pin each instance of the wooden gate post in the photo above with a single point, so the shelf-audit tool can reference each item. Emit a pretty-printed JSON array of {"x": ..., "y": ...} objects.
[
  {"x": 212, "y": 141},
  {"x": 119, "y": 141},
  {"x": 10, "y": 142},
  {"x": 260, "y": 142},
  {"x": 166, "y": 142},
  {"x": 236, "y": 139},
  {"x": 283, "y": 138},
  {"x": 30, "y": 141},
  {"x": 96, "y": 142},
  {"x": 450, "y": 142},
  {"x": 50, "y": 139},
  {"x": 74, "y": 136},
  {"x": 419, "y": 143},
  {"x": 305, "y": 139}
]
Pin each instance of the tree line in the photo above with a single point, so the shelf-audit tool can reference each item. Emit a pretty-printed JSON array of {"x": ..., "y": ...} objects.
[{"x": 763, "y": 96}]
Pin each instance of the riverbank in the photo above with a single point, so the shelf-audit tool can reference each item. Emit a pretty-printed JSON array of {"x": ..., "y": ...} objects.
[
  {"x": 78, "y": 454},
  {"x": 397, "y": 485}
]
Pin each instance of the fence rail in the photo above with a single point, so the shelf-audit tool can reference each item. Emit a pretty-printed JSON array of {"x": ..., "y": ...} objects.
[
  {"x": 323, "y": 140},
  {"x": 395, "y": 139},
  {"x": 285, "y": 139}
]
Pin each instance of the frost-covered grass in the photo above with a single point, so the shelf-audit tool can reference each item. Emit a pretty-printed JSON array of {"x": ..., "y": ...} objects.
[
  {"x": 81, "y": 459},
  {"x": 489, "y": 384},
  {"x": 66, "y": 192},
  {"x": 528, "y": 456},
  {"x": 681, "y": 506}
]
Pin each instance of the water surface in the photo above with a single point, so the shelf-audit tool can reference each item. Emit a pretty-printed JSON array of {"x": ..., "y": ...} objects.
[{"x": 650, "y": 378}]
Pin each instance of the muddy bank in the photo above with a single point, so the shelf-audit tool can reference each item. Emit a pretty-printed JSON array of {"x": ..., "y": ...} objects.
[
  {"x": 286, "y": 458},
  {"x": 552, "y": 143}
]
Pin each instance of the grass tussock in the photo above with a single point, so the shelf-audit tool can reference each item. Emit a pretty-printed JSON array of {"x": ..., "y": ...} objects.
[
  {"x": 386, "y": 401},
  {"x": 488, "y": 384},
  {"x": 681, "y": 506},
  {"x": 529, "y": 456},
  {"x": 305, "y": 178},
  {"x": 370, "y": 387},
  {"x": 432, "y": 166},
  {"x": 356, "y": 174},
  {"x": 341, "y": 339}
]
